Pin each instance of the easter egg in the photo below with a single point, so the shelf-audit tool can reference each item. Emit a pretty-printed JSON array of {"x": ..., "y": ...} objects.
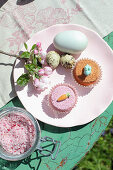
[
  {"x": 67, "y": 61},
  {"x": 53, "y": 59},
  {"x": 72, "y": 42}
]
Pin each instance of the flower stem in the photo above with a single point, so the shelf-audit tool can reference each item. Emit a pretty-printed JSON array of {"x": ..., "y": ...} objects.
[{"x": 9, "y": 54}]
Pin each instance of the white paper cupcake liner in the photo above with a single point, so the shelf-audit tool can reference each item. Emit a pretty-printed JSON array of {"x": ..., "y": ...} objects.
[{"x": 96, "y": 82}]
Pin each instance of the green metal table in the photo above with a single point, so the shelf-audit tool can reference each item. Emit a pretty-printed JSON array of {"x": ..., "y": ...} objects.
[{"x": 75, "y": 141}]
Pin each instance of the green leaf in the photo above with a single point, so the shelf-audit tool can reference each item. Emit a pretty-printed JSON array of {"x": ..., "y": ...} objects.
[
  {"x": 37, "y": 69},
  {"x": 33, "y": 47},
  {"x": 23, "y": 80},
  {"x": 34, "y": 60},
  {"x": 37, "y": 76},
  {"x": 25, "y": 54},
  {"x": 25, "y": 45},
  {"x": 37, "y": 56},
  {"x": 30, "y": 67}
]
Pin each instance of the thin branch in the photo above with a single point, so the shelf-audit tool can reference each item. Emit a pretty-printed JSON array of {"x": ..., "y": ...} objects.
[{"x": 13, "y": 55}]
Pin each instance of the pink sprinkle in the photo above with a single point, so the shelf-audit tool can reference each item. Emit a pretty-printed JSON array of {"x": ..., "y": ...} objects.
[{"x": 18, "y": 138}]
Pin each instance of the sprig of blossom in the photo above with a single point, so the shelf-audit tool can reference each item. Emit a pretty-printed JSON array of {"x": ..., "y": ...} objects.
[{"x": 36, "y": 66}]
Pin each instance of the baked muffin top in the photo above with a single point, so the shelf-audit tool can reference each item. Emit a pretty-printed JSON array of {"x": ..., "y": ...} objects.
[{"x": 80, "y": 77}]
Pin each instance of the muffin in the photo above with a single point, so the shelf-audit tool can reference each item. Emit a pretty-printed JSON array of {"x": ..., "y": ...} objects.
[
  {"x": 86, "y": 72},
  {"x": 62, "y": 98}
]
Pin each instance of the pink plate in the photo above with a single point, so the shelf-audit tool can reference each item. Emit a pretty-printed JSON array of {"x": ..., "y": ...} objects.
[{"x": 91, "y": 102}]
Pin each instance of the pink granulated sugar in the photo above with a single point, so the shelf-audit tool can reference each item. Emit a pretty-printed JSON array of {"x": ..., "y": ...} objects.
[
  {"x": 65, "y": 105},
  {"x": 16, "y": 133}
]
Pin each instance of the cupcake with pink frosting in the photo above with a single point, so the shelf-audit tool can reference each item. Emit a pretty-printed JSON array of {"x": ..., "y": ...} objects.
[{"x": 62, "y": 98}]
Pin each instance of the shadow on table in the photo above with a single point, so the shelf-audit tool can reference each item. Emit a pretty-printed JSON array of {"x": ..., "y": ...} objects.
[
  {"x": 54, "y": 129},
  {"x": 23, "y": 2},
  {"x": 2, "y": 2},
  {"x": 16, "y": 102},
  {"x": 12, "y": 165},
  {"x": 9, "y": 164}
]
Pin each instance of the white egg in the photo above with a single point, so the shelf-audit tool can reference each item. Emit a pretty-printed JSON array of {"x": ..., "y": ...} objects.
[{"x": 71, "y": 41}]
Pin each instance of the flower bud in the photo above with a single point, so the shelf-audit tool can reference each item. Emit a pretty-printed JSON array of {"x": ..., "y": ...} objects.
[
  {"x": 40, "y": 48},
  {"x": 45, "y": 79},
  {"x": 42, "y": 62},
  {"x": 36, "y": 52},
  {"x": 47, "y": 70},
  {"x": 41, "y": 86},
  {"x": 41, "y": 72},
  {"x": 43, "y": 55},
  {"x": 36, "y": 82},
  {"x": 38, "y": 44}
]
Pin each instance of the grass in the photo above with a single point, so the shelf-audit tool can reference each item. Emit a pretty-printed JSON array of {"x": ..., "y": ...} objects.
[{"x": 101, "y": 155}]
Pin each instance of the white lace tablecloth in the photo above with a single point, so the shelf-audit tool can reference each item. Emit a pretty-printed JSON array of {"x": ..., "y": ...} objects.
[{"x": 20, "y": 19}]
